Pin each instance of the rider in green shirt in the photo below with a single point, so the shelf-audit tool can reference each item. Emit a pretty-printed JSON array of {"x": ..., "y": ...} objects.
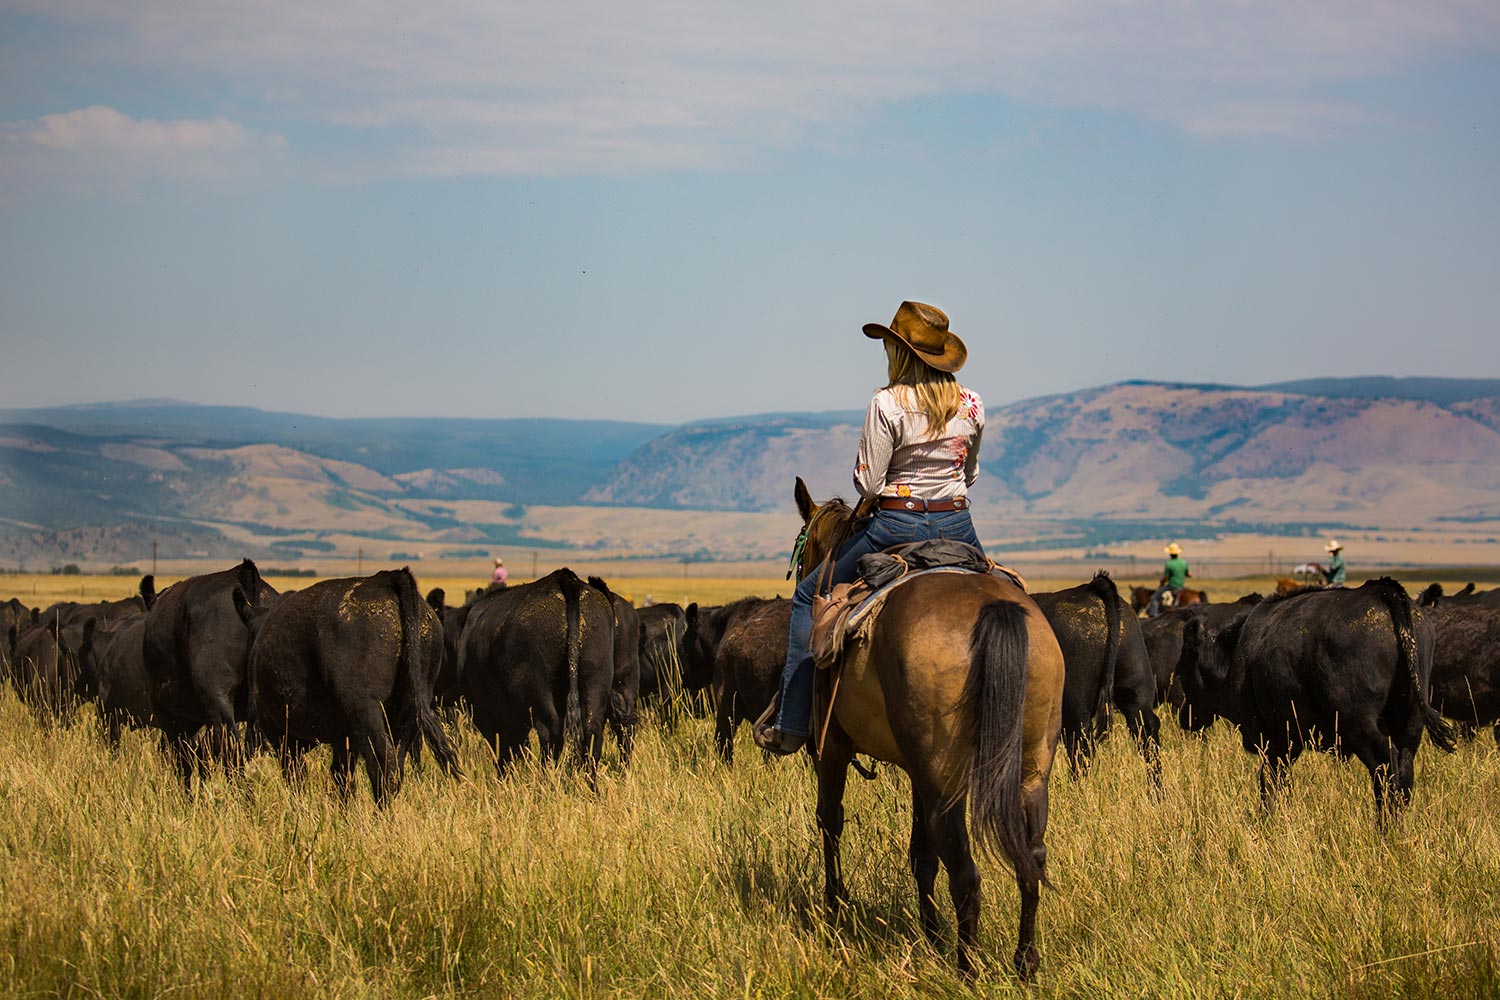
[
  {"x": 1334, "y": 574},
  {"x": 1174, "y": 578}
]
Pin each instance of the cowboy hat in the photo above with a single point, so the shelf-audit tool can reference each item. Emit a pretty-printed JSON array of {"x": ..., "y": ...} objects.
[
  {"x": 1332, "y": 546},
  {"x": 1173, "y": 550},
  {"x": 924, "y": 329}
]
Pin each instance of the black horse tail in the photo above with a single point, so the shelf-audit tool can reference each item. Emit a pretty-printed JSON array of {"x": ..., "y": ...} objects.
[
  {"x": 418, "y": 721},
  {"x": 1393, "y": 596},
  {"x": 995, "y": 694},
  {"x": 1104, "y": 588},
  {"x": 572, "y": 591}
]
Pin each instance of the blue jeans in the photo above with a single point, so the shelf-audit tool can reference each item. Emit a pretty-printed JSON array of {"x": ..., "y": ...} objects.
[{"x": 886, "y": 529}]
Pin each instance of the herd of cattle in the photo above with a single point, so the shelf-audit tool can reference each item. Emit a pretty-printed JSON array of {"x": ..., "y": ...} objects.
[{"x": 221, "y": 664}]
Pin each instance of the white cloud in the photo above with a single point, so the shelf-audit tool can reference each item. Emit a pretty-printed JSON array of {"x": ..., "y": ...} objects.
[
  {"x": 99, "y": 146},
  {"x": 475, "y": 85}
]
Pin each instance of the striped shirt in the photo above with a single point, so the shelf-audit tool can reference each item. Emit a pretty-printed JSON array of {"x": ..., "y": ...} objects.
[{"x": 899, "y": 458}]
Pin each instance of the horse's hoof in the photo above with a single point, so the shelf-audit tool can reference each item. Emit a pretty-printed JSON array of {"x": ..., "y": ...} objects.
[{"x": 1028, "y": 960}]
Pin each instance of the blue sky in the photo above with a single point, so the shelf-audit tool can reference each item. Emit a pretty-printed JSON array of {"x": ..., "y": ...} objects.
[{"x": 687, "y": 210}]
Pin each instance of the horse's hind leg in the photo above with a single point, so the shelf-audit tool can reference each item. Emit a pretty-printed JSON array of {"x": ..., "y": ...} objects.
[
  {"x": 833, "y": 772},
  {"x": 924, "y": 867},
  {"x": 949, "y": 832},
  {"x": 1028, "y": 957}
]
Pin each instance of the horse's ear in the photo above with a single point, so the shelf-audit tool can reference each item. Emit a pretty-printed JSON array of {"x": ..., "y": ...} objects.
[{"x": 805, "y": 505}]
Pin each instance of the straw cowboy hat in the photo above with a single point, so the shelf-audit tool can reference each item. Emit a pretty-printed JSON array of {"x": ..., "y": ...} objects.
[
  {"x": 1173, "y": 550},
  {"x": 924, "y": 329},
  {"x": 1332, "y": 546}
]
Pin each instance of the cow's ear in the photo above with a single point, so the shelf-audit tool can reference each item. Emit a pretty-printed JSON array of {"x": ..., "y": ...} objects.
[
  {"x": 805, "y": 505},
  {"x": 148, "y": 590},
  {"x": 690, "y": 615}
]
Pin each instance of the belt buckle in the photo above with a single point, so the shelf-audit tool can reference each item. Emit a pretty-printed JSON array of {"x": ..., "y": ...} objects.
[{"x": 911, "y": 505}]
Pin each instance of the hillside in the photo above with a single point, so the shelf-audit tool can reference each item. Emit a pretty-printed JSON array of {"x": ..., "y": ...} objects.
[
  {"x": 1130, "y": 460},
  {"x": 1135, "y": 450}
]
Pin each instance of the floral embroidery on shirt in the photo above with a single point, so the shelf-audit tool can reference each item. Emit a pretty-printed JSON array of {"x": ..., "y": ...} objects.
[
  {"x": 903, "y": 490},
  {"x": 959, "y": 447},
  {"x": 969, "y": 406}
]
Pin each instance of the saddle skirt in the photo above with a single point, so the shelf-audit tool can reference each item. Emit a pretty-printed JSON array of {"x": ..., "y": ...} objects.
[{"x": 848, "y": 612}]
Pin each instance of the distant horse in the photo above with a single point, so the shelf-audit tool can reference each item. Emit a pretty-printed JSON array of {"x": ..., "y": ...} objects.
[
  {"x": 1140, "y": 598},
  {"x": 959, "y": 684}
]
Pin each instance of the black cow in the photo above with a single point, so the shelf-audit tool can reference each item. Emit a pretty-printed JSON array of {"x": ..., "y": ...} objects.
[
  {"x": 663, "y": 627},
  {"x": 540, "y": 655},
  {"x": 15, "y": 622},
  {"x": 45, "y": 667},
  {"x": 1343, "y": 670},
  {"x": 1163, "y": 638},
  {"x": 1433, "y": 596},
  {"x": 350, "y": 663},
  {"x": 1105, "y": 659},
  {"x": 196, "y": 647},
  {"x": 124, "y": 695},
  {"x": 73, "y": 613},
  {"x": 1466, "y": 663},
  {"x": 740, "y": 651},
  {"x": 625, "y": 691},
  {"x": 445, "y": 691}
]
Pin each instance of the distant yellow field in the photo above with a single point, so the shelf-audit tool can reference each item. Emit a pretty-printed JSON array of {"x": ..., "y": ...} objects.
[{"x": 41, "y": 589}]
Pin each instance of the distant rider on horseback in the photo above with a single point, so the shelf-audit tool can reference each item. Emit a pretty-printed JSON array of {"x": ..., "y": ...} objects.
[
  {"x": 1174, "y": 577},
  {"x": 918, "y": 456},
  {"x": 1333, "y": 576}
]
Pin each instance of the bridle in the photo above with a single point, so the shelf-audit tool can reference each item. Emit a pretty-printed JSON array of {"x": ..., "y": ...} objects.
[{"x": 799, "y": 548}]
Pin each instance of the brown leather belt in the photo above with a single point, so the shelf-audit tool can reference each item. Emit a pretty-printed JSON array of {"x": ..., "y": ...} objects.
[{"x": 930, "y": 506}]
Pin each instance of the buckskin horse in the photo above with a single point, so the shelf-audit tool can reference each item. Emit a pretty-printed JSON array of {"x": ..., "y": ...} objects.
[{"x": 960, "y": 685}]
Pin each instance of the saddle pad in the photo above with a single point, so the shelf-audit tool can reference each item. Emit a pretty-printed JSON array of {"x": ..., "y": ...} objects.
[{"x": 877, "y": 598}]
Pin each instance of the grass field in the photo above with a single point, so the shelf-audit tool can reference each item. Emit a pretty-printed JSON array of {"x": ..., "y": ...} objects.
[{"x": 680, "y": 877}]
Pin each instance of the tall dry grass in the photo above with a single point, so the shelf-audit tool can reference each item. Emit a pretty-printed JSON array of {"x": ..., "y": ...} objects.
[{"x": 681, "y": 877}]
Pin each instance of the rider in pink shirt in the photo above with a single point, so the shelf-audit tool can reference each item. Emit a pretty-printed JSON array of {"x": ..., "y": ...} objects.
[{"x": 500, "y": 575}]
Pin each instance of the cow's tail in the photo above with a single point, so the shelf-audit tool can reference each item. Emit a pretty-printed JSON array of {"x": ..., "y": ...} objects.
[
  {"x": 249, "y": 580},
  {"x": 995, "y": 697},
  {"x": 1393, "y": 595},
  {"x": 419, "y": 721},
  {"x": 1104, "y": 588},
  {"x": 572, "y": 591}
]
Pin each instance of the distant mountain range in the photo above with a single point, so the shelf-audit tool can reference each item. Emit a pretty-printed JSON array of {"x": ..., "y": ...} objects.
[{"x": 89, "y": 482}]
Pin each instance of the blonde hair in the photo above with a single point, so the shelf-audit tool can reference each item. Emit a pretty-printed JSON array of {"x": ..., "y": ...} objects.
[{"x": 935, "y": 393}]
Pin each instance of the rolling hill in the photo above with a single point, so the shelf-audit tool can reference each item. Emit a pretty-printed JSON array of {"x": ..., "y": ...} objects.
[{"x": 85, "y": 482}]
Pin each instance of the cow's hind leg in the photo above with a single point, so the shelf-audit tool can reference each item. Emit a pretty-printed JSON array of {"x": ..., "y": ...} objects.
[
  {"x": 342, "y": 768},
  {"x": 949, "y": 832},
  {"x": 373, "y": 739},
  {"x": 924, "y": 867},
  {"x": 1145, "y": 729},
  {"x": 1384, "y": 762}
]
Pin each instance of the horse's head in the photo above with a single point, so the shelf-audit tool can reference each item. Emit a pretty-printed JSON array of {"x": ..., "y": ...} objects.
[{"x": 824, "y": 526}]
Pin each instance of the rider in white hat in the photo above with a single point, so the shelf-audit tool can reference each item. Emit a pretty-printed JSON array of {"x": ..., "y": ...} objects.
[{"x": 1334, "y": 574}]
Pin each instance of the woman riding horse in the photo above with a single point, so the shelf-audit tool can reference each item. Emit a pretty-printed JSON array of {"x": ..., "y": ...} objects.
[{"x": 918, "y": 456}]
